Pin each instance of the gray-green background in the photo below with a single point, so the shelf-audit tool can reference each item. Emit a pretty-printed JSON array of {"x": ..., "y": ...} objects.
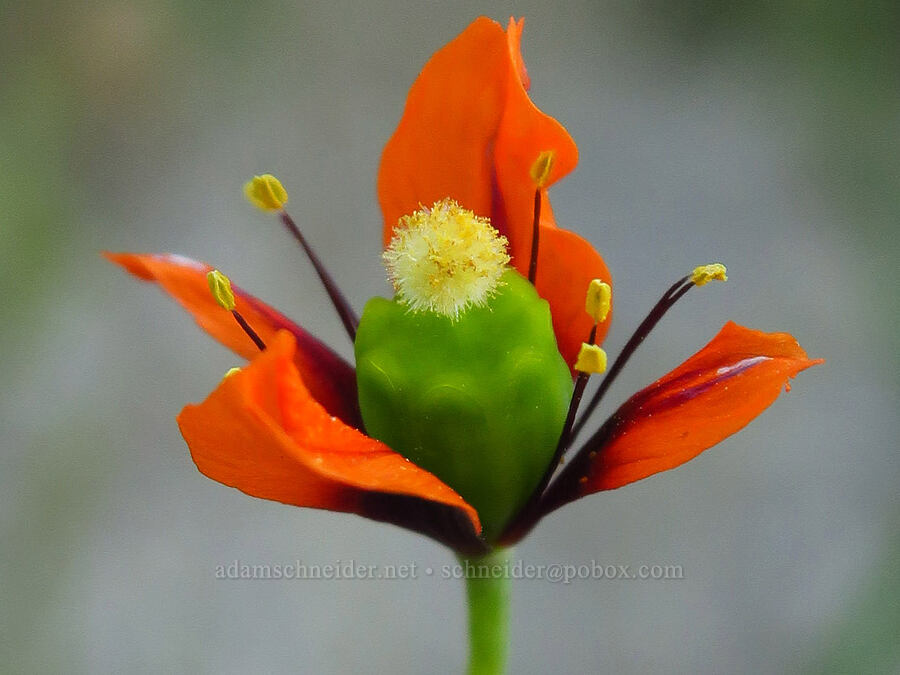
[{"x": 765, "y": 135}]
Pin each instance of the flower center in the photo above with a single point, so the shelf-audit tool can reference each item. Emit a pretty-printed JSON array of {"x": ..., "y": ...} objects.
[{"x": 445, "y": 259}]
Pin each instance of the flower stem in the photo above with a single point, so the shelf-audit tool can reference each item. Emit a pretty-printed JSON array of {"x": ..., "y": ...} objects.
[{"x": 487, "y": 592}]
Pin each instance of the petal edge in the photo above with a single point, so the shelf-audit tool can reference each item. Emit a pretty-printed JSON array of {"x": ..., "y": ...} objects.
[
  {"x": 330, "y": 378},
  {"x": 261, "y": 432},
  {"x": 712, "y": 395}
]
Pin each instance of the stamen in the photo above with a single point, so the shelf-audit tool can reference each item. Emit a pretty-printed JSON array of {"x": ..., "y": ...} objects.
[
  {"x": 547, "y": 496},
  {"x": 540, "y": 170},
  {"x": 220, "y": 287},
  {"x": 550, "y": 496},
  {"x": 242, "y": 322},
  {"x": 599, "y": 300},
  {"x": 267, "y": 193},
  {"x": 700, "y": 276},
  {"x": 535, "y": 236},
  {"x": 706, "y": 273},
  {"x": 591, "y": 359},
  {"x": 540, "y": 173},
  {"x": 341, "y": 305}
]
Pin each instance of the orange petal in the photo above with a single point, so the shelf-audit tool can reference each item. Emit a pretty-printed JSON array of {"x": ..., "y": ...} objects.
[
  {"x": 524, "y": 133},
  {"x": 330, "y": 379},
  {"x": 442, "y": 146},
  {"x": 470, "y": 132},
  {"x": 566, "y": 266},
  {"x": 514, "y": 43},
  {"x": 262, "y": 432},
  {"x": 712, "y": 395}
]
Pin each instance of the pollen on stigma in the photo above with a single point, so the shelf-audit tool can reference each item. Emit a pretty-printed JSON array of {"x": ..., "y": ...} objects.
[{"x": 445, "y": 259}]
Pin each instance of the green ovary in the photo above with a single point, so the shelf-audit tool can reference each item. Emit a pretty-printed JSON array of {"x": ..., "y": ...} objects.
[{"x": 479, "y": 401}]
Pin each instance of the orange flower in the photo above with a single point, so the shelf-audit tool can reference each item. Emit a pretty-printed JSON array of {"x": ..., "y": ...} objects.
[{"x": 288, "y": 427}]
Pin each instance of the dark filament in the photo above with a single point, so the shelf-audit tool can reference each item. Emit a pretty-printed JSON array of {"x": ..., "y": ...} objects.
[
  {"x": 344, "y": 310},
  {"x": 562, "y": 445},
  {"x": 535, "y": 236},
  {"x": 546, "y": 497},
  {"x": 242, "y": 322},
  {"x": 671, "y": 296},
  {"x": 565, "y": 437}
]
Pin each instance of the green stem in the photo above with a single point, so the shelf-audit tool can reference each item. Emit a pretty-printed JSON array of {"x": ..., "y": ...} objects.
[{"x": 487, "y": 591}]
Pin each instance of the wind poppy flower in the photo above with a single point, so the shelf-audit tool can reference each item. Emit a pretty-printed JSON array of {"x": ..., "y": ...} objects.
[{"x": 475, "y": 370}]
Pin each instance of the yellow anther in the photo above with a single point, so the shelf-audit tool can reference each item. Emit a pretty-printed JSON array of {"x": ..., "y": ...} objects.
[
  {"x": 540, "y": 170},
  {"x": 591, "y": 359},
  {"x": 231, "y": 371},
  {"x": 445, "y": 259},
  {"x": 266, "y": 192},
  {"x": 706, "y": 273},
  {"x": 599, "y": 297},
  {"x": 220, "y": 287}
]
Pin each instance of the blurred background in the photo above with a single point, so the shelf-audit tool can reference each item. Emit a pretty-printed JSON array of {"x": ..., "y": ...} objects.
[{"x": 765, "y": 135}]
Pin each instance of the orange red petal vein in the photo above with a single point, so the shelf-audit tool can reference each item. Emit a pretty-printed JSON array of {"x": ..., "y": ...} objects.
[{"x": 712, "y": 395}]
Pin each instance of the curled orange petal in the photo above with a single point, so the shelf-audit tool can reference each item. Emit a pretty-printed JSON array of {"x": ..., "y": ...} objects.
[
  {"x": 262, "y": 432},
  {"x": 330, "y": 379},
  {"x": 443, "y": 144},
  {"x": 712, "y": 395},
  {"x": 514, "y": 44},
  {"x": 525, "y": 132},
  {"x": 470, "y": 132}
]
